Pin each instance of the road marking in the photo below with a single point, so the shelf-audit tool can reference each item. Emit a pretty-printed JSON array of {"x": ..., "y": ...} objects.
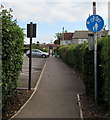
[
  {"x": 19, "y": 88},
  {"x": 79, "y": 103},
  {"x": 24, "y": 74},
  {"x": 35, "y": 89}
]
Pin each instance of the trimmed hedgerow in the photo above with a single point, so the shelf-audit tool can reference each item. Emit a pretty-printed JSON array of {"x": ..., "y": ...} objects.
[
  {"x": 25, "y": 49},
  {"x": 79, "y": 57},
  {"x": 88, "y": 71},
  {"x": 71, "y": 55},
  {"x": 12, "y": 51},
  {"x": 105, "y": 57}
]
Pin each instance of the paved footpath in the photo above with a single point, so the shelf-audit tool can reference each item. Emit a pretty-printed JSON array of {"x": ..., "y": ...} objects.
[{"x": 56, "y": 94}]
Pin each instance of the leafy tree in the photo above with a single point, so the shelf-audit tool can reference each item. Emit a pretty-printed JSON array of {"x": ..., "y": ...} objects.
[
  {"x": 58, "y": 38},
  {"x": 57, "y": 42},
  {"x": 39, "y": 46},
  {"x": 38, "y": 42}
]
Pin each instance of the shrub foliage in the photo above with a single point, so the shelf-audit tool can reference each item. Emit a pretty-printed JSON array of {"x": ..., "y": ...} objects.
[
  {"x": 12, "y": 51},
  {"x": 82, "y": 60}
]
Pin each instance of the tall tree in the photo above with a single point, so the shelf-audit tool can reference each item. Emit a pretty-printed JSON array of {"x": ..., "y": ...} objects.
[{"x": 58, "y": 38}]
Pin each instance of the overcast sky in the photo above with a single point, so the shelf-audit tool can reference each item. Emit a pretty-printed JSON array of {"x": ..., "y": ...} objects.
[{"x": 52, "y": 15}]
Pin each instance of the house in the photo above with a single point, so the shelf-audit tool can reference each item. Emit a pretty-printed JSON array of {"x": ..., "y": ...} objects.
[
  {"x": 79, "y": 36},
  {"x": 66, "y": 38},
  {"x": 82, "y": 36},
  {"x": 51, "y": 46}
]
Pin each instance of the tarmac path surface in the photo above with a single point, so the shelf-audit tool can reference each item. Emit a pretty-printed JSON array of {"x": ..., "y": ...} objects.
[
  {"x": 56, "y": 96},
  {"x": 37, "y": 65}
]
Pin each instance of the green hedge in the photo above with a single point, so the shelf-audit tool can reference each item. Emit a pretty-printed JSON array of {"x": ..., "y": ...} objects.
[
  {"x": 105, "y": 56},
  {"x": 88, "y": 70},
  {"x": 25, "y": 49},
  {"x": 35, "y": 46},
  {"x": 73, "y": 55},
  {"x": 12, "y": 51},
  {"x": 79, "y": 57}
]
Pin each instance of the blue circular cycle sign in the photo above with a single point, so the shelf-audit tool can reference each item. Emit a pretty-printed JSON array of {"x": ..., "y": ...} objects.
[{"x": 95, "y": 23}]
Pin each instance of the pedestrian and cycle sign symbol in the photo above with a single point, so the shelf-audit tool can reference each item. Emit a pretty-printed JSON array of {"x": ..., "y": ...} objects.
[{"x": 95, "y": 23}]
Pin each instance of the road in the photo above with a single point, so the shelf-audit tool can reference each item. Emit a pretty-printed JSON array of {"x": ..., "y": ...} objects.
[{"x": 56, "y": 96}]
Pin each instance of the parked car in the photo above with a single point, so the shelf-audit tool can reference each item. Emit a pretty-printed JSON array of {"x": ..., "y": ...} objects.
[{"x": 37, "y": 53}]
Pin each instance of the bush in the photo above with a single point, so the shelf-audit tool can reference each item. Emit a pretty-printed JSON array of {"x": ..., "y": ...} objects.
[
  {"x": 79, "y": 57},
  {"x": 35, "y": 46},
  {"x": 105, "y": 56},
  {"x": 12, "y": 51},
  {"x": 73, "y": 55},
  {"x": 25, "y": 49},
  {"x": 88, "y": 71}
]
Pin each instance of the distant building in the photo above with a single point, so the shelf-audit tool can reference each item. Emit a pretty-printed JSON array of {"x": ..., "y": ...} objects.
[
  {"x": 82, "y": 36},
  {"x": 66, "y": 38},
  {"x": 51, "y": 46},
  {"x": 79, "y": 37}
]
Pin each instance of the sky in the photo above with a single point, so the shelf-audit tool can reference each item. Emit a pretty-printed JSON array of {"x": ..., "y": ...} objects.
[{"x": 52, "y": 15}]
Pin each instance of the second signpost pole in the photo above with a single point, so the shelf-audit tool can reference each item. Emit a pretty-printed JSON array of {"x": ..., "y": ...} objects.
[
  {"x": 30, "y": 57},
  {"x": 31, "y": 32}
]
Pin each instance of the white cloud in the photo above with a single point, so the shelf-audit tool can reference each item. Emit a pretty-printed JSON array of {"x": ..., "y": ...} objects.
[
  {"x": 50, "y": 12},
  {"x": 54, "y": 11},
  {"x": 53, "y": 1}
]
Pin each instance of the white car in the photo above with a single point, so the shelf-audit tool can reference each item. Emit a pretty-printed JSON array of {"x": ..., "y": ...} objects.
[{"x": 37, "y": 53}]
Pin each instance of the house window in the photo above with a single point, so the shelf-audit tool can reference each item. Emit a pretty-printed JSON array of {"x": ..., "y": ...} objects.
[
  {"x": 82, "y": 41},
  {"x": 66, "y": 42}
]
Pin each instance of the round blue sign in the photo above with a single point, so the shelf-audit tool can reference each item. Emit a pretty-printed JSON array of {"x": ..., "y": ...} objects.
[{"x": 95, "y": 23}]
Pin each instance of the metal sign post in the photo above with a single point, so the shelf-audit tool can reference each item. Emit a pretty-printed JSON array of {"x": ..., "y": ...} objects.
[
  {"x": 95, "y": 68},
  {"x": 95, "y": 23},
  {"x": 94, "y": 8},
  {"x": 31, "y": 32},
  {"x": 95, "y": 59},
  {"x": 91, "y": 41},
  {"x": 30, "y": 57}
]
